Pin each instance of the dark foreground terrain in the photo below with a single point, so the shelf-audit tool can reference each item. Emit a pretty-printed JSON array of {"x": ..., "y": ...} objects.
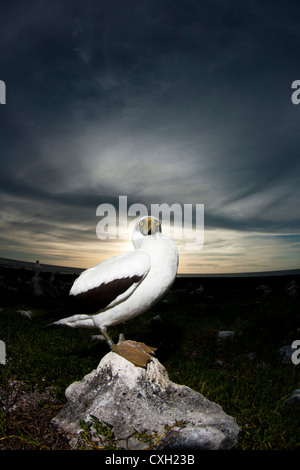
[{"x": 245, "y": 375}]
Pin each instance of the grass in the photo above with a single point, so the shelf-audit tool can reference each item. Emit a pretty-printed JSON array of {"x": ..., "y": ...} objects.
[{"x": 252, "y": 390}]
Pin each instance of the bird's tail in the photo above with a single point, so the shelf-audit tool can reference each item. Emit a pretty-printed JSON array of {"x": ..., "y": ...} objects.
[{"x": 74, "y": 321}]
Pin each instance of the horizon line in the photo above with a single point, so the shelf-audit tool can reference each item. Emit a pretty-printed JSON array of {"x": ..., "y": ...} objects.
[{"x": 5, "y": 262}]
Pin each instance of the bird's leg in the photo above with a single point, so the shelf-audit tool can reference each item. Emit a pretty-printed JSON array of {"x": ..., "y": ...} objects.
[
  {"x": 136, "y": 353},
  {"x": 108, "y": 339}
]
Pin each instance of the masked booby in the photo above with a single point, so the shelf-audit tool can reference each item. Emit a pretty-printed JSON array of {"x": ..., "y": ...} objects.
[{"x": 125, "y": 286}]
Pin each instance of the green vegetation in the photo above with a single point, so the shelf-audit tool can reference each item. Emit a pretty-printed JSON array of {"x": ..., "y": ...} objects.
[
  {"x": 252, "y": 388},
  {"x": 106, "y": 437}
]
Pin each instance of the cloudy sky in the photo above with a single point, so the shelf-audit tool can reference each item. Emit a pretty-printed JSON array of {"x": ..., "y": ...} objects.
[{"x": 161, "y": 101}]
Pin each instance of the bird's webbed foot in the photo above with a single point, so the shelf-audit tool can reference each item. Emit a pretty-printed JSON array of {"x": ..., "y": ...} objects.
[{"x": 135, "y": 352}]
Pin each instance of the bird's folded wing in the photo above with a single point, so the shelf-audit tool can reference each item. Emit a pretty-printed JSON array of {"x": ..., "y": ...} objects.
[{"x": 110, "y": 281}]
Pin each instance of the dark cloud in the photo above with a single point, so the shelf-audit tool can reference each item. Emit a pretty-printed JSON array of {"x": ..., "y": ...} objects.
[{"x": 185, "y": 102}]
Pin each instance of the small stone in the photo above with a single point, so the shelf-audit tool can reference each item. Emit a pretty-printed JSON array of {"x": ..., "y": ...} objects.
[
  {"x": 285, "y": 353},
  {"x": 294, "y": 399},
  {"x": 225, "y": 336},
  {"x": 219, "y": 363},
  {"x": 265, "y": 289},
  {"x": 251, "y": 356},
  {"x": 25, "y": 313},
  {"x": 97, "y": 338}
]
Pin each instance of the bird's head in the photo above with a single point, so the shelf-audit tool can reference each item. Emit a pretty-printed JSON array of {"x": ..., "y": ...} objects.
[{"x": 146, "y": 227}]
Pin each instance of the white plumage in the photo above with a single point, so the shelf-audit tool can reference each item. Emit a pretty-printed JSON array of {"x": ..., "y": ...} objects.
[{"x": 125, "y": 286}]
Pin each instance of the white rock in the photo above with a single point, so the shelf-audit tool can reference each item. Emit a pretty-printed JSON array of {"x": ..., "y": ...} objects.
[
  {"x": 25, "y": 313},
  {"x": 97, "y": 338},
  {"x": 132, "y": 398},
  {"x": 225, "y": 336},
  {"x": 294, "y": 399}
]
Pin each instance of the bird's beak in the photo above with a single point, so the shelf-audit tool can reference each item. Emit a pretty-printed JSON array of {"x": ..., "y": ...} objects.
[{"x": 150, "y": 227}]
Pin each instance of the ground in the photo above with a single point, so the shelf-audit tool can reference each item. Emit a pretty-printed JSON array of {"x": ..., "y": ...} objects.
[{"x": 246, "y": 376}]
